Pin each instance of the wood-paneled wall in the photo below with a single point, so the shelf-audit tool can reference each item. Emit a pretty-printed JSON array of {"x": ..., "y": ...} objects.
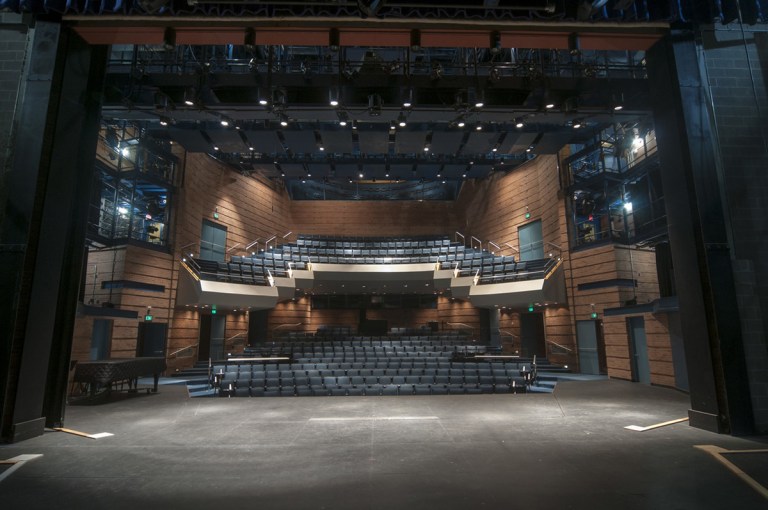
[
  {"x": 369, "y": 218},
  {"x": 492, "y": 209}
]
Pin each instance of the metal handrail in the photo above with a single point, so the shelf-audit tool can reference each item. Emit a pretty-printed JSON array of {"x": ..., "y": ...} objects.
[
  {"x": 266, "y": 243},
  {"x": 567, "y": 349},
  {"x": 491, "y": 243},
  {"x": 466, "y": 326},
  {"x": 513, "y": 248},
  {"x": 177, "y": 351},
  {"x": 456, "y": 236},
  {"x": 515, "y": 348},
  {"x": 479, "y": 242},
  {"x": 286, "y": 326},
  {"x": 251, "y": 244},
  {"x": 233, "y": 247}
]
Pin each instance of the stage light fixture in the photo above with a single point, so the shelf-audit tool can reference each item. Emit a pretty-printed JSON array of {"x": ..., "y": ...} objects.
[{"x": 169, "y": 39}]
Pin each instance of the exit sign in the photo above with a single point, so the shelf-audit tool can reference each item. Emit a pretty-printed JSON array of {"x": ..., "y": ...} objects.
[
  {"x": 148, "y": 318},
  {"x": 594, "y": 315}
]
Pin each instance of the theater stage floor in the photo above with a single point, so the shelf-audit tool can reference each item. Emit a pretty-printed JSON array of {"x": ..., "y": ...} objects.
[{"x": 567, "y": 450}]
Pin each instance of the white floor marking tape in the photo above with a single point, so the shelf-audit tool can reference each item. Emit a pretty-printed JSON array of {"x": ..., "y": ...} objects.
[
  {"x": 17, "y": 462},
  {"x": 370, "y": 418},
  {"x": 638, "y": 428}
]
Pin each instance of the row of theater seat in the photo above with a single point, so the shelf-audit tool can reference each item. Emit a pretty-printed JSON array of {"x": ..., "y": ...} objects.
[
  {"x": 372, "y": 242},
  {"x": 355, "y": 366},
  {"x": 277, "y": 261},
  {"x": 371, "y": 385}
]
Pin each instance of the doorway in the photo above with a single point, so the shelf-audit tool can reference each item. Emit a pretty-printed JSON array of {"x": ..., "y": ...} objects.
[
  {"x": 638, "y": 350},
  {"x": 213, "y": 241},
  {"x": 211, "y": 343},
  {"x": 589, "y": 335},
  {"x": 151, "y": 340},
  {"x": 101, "y": 339},
  {"x": 532, "y": 340}
]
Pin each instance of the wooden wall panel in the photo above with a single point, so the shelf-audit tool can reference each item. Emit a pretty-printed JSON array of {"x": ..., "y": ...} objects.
[{"x": 373, "y": 219}]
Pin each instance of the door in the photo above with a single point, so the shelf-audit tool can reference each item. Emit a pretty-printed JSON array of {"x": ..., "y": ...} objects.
[
  {"x": 638, "y": 350},
  {"x": 532, "y": 340},
  {"x": 589, "y": 353},
  {"x": 151, "y": 340},
  {"x": 257, "y": 326},
  {"x": 530, "y": 241},
  {"x": 101, "y": 339},
  {"x": 218, "y": 330},
  {"x": 213, "y": 241},
  {"x": 211, "y": 343}
]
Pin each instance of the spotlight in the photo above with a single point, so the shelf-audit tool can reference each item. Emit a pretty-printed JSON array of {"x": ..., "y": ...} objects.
[
  {"x": 190, "y": 96},
  {"x": 401, "y": 120},
  {"x": 249, "y": 39},
  {"x": 374, "y": 105},
  {"x": 333, "y": 39},
  {"x": 495, "y": 42},
  {"x": 478, "y": 127},
  {"x": 494, "y": 75},
  {"x": 576, "y": 124},
  {"x": 408, "y": 99},
  {"x": 461, "y": 123},
  {"x": 437, "y": 71},
  {"x": 169, "y": 39},
  {"x": 333, "y": 96},
  {"x": 224, "y": 122},
  {"x": 164, "y": 121},
  {"x": 519, "y": 123},
  {"x": 415, "y": 40}
]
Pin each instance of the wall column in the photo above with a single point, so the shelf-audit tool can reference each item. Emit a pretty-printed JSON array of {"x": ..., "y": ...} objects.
[
  {"x": 45, "y": 215},
  {"x": 699, "y": 235}
]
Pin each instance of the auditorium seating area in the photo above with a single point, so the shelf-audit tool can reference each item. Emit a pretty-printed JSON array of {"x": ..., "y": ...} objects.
[
  {"x": 440, "y": 251},
  {"x": 388, "y": 365}
]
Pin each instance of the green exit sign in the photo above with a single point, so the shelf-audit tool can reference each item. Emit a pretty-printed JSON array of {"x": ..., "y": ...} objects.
[
  {"x": 148, "y": 318},
  {"x": 527, "y": 216},
  {"x": 215, "y": 215},
  {"x": 530, "y": 308},
  {"x": 594, "y": 315}
]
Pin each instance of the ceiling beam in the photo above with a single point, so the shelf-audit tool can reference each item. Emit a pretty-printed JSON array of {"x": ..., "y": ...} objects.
[{"x": 302, "y": 32}]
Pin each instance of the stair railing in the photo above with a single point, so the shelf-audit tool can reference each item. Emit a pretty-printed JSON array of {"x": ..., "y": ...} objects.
[{"x": 177, "y": 352}]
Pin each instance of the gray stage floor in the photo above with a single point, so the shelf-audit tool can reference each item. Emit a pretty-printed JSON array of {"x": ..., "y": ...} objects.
[{"x": 567, "y": 450}]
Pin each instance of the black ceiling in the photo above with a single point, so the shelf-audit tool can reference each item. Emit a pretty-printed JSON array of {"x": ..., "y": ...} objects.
[{"x": 471, "y": 112}]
